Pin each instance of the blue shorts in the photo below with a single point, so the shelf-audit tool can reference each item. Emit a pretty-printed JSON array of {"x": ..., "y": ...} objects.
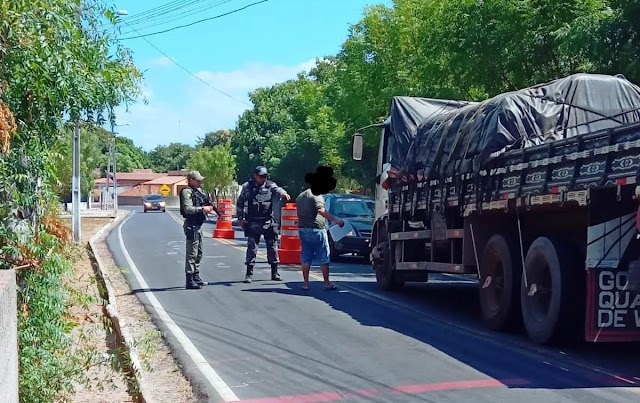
[{"x": 315, "y": 246}]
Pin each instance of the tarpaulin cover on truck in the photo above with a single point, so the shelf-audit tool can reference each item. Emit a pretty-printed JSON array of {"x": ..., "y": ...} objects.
[
  {"x": 466, "y": 139},
  {"x": 406, "y": 115}
]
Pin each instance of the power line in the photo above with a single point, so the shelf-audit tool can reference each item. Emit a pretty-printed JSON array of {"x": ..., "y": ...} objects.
[
  {"x": 176, "y": 4},
  {"x": 188, "y": 71},
  {"x": 171, "y": 18},
  {"x": 167, "y": 13},
  {"x": 193, "y": 23},
  {"x": 179, "y": 12}
]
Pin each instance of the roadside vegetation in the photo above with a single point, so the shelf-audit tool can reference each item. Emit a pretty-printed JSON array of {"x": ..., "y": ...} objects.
[
  {"x": 58, "y": 64},
  {"x": 452, "y": 49}
]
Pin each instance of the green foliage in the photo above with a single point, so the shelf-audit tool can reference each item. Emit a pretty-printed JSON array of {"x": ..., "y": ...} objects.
[
  {"x": 452, "y": 49},
  {"x": 217, "y": 165},
  {"x": 91, "y": 158},
  {"x": 129, "y": 156},
  {"x": 57, "y": 58},
  {"x": 171, "y": 157},
  {"x": 291, "y": 129},
  {"x": 46, "y": 367},
  {"x": 212, "y": 139},
  {"x": 94, "y": 146}
]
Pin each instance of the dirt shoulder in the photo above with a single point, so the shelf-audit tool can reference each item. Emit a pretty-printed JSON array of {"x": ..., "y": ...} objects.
[{"x": 161, "y": 373}]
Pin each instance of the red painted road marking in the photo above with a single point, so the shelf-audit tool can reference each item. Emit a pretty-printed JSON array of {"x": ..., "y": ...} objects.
[{"x": 406, "y": 389}]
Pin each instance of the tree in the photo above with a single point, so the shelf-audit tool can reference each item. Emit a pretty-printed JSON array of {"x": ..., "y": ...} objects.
[
  {"x": 173, "y": 156},
  {"x": 212, "y": 139},
  {"x": 129, "y": 156},
  {"x": 451, "y": 49},
  {"x": 95, "y": 143},
  {"x": 58, "y": 59},
  {"x": 217, "y": 165},
  {"x": 92, "y": 158},
  {"x": 291, "y": 129}
]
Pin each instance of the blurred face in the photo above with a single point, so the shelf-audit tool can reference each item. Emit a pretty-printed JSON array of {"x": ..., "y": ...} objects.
[
  {"x": 195, "y": 183},
  {"x": 260, "y": 179}
]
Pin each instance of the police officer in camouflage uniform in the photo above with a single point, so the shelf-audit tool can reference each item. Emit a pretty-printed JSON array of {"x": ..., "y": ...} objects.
[
  {"x": 259, "y": 221},
  {"x": 194, "y": 211}
]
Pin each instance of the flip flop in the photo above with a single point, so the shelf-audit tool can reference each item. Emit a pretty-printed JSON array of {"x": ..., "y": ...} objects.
[
  {"x": 331, "y": 287},
  {"x": 305, "y": 288}
]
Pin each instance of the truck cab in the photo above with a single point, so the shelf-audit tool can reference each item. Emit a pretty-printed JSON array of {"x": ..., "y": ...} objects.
[{"x": 382, "y": 169}]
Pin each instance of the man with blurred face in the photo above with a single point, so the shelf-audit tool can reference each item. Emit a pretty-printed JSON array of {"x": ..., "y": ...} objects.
[
  {"x": 194, "y": 213},
  {"x": 258, "y": 194}
]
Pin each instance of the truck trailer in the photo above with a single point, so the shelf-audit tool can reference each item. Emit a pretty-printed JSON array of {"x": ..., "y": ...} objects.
[{"x": 535, "y": 192}]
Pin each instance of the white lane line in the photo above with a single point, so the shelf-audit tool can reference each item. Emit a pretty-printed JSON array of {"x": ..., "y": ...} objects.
[{"x": 207, "y": 371}]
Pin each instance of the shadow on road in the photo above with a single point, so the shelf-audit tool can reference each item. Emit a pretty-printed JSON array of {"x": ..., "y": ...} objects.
[
  {"x": 140, "y": 290},
  {"x": 509, "y": 358}
]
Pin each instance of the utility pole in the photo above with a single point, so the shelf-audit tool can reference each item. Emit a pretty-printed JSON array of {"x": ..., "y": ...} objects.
[
  {"x": 106, "y": 193},
  {"x": 115, "y": 170},
  {"x": 113, "y": 153},
  {"x": 75, "y": 184}
]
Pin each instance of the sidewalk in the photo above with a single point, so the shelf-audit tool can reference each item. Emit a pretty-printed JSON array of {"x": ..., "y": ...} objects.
[{"x": 94, "y": 212}]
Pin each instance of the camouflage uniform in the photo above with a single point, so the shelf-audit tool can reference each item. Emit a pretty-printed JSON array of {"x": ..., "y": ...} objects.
[
  {"x": 191, "y": 210},
  {"x": 261, "y": 222}
]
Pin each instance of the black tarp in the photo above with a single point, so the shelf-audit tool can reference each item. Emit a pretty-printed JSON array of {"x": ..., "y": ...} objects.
[
  {"x": 465, "y": 139},
  {"x": 406, "y": 115}
]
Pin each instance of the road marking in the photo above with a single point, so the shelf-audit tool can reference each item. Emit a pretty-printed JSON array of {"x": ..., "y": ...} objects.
[
  {"x": 403, "y": 390},
  {"x": 398, "y": 304},
  {"x": 179, "y": 221},
  {"x": 201, "y": 363},
  {"x": 231, "y": 242}
]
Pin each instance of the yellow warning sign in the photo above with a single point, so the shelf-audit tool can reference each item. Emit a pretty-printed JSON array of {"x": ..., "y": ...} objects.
[{"x": 165, "y": 190}]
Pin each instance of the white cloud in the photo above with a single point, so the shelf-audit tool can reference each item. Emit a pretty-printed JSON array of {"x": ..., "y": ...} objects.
[
  {"x": 253, "y": 76},
  {"x": 161, "y": 61},
  {"x": 163, "y": 121}
]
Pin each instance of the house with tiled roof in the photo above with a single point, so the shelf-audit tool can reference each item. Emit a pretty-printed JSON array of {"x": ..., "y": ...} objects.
[
  {"x": 176, "y": 183},
  {"x": 130, "y": 179},
  {"x": 126, "y": 181},
  {"x": 132, "y": 186}
]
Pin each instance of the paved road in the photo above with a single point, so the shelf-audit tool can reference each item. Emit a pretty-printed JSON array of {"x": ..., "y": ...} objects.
[{"x": 274, "y": 342}]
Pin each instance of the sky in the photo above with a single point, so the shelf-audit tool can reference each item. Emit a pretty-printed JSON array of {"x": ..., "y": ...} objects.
[{"x": 259, "y": 46}]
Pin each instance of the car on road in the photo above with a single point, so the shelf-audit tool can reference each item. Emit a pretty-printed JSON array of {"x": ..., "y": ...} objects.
[
  {"x": 154, "y": 202},
  {"x": 359, "y": 211}
]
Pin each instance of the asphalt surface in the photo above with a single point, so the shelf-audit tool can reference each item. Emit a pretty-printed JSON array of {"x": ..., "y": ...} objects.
[{"x": 274, "y": 342}]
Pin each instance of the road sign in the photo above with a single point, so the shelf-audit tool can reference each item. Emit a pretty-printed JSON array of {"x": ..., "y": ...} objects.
[{"x": 165, "y": 190}]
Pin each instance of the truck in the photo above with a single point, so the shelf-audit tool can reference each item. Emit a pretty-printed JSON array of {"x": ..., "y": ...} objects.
[{"x": 534, "y": 192}]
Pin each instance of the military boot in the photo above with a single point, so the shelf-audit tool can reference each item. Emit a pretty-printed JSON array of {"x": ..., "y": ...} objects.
[
  {"x": 274, "y": 272},
  {"x": 248, "y": 277},
  {"x": 197, "y": 279},
  {"x": 191, "y": 284}
]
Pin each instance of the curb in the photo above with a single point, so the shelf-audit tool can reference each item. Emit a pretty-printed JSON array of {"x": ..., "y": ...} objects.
[{"x": 123, "y": 336}]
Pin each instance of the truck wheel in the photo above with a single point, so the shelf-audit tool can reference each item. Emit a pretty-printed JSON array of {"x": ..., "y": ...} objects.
[
  {"x": 549, "y": 297},
  {"x": 500, "y": 284},
  {"x": 385, "y": 277}
]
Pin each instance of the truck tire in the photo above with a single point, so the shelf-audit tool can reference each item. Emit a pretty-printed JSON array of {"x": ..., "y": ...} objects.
[
  {"x": 385, "y": 277},
  {"x": 550, "y": 297},
  {"x": 499, "y": 295}
]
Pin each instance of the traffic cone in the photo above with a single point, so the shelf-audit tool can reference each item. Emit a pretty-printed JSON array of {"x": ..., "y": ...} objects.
[
  {"x": 289, "y": 251},
  {"x": 224, "y": 229}
]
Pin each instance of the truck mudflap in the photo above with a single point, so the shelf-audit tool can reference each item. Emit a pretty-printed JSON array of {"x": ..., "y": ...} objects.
[{"x": 613, "y": 272}]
